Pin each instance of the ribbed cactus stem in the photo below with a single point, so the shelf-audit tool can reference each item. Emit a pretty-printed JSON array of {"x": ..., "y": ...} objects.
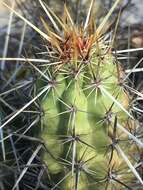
[{"x": 81, "y": 113}]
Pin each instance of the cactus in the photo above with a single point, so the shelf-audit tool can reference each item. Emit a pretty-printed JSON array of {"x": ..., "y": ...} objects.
[{"x": 86, "y": 123}]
